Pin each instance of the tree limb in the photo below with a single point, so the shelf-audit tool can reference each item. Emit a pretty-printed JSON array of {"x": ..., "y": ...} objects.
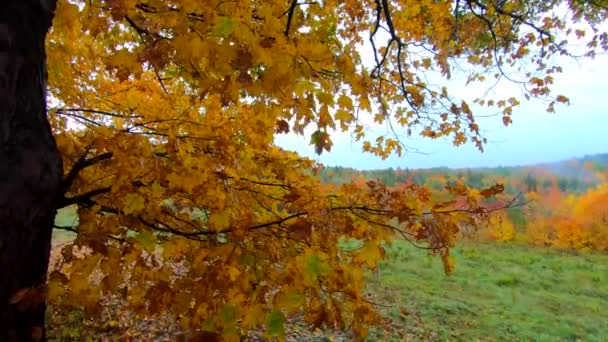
[
  {"x": 82, "y": 163},
  {"x": 85, "y": 199},
  {"x": 290, "y": 12}
]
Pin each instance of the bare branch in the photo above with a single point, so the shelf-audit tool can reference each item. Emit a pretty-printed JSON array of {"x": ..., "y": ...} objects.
[
  {"x": 85, "y": 199},
  {"x": 290, "y": 13},
  {"x": 82, "y": 163},
  {"x": 66, "y": 228},
  {"x": 94, "y": 111}
]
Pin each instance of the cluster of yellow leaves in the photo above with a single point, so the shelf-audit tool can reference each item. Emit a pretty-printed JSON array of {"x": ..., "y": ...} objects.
[
  {"x": 501, "y": 228},
  {"x": 165, "y": 114}
]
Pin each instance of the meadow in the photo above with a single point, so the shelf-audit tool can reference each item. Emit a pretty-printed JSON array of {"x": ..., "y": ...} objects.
[{"x": 498, "y": 292}]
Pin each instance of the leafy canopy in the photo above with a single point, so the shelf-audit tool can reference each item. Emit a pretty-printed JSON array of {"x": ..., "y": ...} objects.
[{"x": 165, "y": 113}]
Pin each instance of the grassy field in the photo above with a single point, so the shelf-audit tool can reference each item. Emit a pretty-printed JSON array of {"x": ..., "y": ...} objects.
[{"x": 498, "y": 292}]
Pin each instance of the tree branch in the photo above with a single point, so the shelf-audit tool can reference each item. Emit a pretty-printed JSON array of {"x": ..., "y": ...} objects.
[
  {"x": 206, "y": 233},
  {"x": 93, "y": 111},
  {"x": 290, "y": 12},
  {"x": 66, "y": 228},
  {"x": 85, "y": 199},
  {"x": 82, "y": 163}
]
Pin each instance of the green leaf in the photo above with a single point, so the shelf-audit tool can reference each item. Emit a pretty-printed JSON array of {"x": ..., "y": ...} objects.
[
  {"x": 276, "y": 321},
  {"x": 208, "y": 325},
  {"x": 224, "y": 26},
  {"x": 316, "y": 137},
  {"x": 321, "y": 141},
  {"x": 228, "y": 314},
  {"x": 148, "y": 240},
  {"x": 315, "y": 266}
]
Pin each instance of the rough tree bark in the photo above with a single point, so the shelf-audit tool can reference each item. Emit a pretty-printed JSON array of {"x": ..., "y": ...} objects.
[{"x": 30, "y": 168}]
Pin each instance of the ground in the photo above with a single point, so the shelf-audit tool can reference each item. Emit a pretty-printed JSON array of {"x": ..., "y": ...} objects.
[{"x": 498, "y": 292}]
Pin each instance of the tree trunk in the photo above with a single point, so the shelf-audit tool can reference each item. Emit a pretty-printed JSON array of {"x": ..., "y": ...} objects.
[{"x": 30, "y": 169}]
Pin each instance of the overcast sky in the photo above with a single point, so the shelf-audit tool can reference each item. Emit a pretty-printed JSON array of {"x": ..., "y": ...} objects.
[{"x": 535, "y": 136}]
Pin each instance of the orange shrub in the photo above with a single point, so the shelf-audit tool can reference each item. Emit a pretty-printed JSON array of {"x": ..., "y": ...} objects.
[{"x": 572, "y": 222}]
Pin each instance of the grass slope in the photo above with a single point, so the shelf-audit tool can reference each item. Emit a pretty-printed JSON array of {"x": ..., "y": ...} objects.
[{"x": 498, "y": 292}]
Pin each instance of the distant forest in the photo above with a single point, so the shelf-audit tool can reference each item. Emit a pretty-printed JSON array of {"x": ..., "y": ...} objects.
[{"x": 570, "y": 176}]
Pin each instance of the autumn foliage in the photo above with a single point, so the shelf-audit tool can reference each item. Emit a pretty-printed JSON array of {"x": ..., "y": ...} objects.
[
  {"x": 165, "y": 114},
  {"x": 572, "y": 221}
]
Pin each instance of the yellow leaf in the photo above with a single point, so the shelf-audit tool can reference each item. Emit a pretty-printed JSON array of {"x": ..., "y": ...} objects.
[
  {"x": 369, "y": 255},
  {"x": 232, "y": 272},
  {"x": 345, "y": 102},
  {"x": 291, "y": 300},
  {"x": 254, "y": 316},
  {"x": 220, "y": 220},
  {"x": 133, "y": 203}
]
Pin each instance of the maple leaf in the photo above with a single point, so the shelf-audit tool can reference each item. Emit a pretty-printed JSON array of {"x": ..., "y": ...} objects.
[
  {"x": 493, "y": 190},
  {"x": 133, "y": 203},
  {"x": 282, "y": 126},
  {"x": 276, "y": 324},
  {"x": 148, "y": 240}
]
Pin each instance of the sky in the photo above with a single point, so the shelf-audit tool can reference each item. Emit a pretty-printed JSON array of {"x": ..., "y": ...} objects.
[{"x": 535, "y": 136}]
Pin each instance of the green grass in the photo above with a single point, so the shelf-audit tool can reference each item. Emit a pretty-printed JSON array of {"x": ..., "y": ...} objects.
[{"x": 498, "y": 292}]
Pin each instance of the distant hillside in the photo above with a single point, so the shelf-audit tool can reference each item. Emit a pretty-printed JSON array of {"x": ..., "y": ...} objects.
[
  {"x": 572, "y": 167},
  {"x": 573, "y": 175}
]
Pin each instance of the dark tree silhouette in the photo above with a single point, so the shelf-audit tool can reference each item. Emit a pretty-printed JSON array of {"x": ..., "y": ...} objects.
[{"x": 30, "y": 169}]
